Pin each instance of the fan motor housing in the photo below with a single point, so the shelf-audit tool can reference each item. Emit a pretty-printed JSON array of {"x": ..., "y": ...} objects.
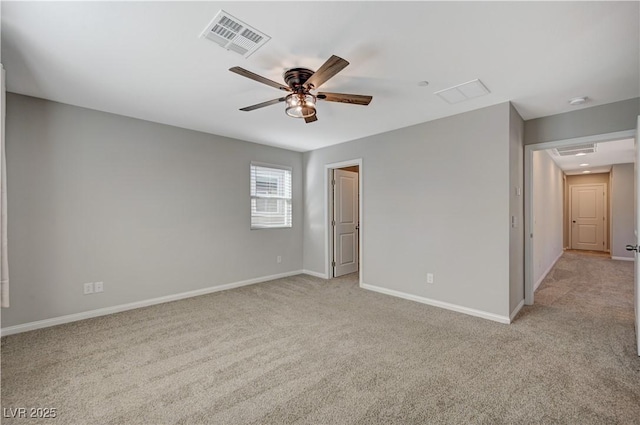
[{"x": 296, "y": 77}]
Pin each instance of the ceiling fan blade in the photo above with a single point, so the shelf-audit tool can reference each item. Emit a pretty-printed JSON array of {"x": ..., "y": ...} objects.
[
  {"x": 311, "y": 119},
  {"x": 258, "y": 78},
  {"x": 331, "y": 67},
  {"x": 263, "y": 104},
  {"x": 356, "y": 99}
]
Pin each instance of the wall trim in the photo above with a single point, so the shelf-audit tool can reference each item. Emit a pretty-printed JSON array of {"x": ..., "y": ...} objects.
[
  {"x": 436, "y": 303},
  {"x": 39, "y": 324},
  {"x": 546, "y": 272},
  {"x": 623, "y": 258},
  {"x": 516, "y": 310},
  {"x": 315, "y": 274}
]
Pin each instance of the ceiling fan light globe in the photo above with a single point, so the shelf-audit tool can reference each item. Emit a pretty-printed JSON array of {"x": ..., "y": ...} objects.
[
  {"x": 299, "y": 105},
  {"x": 301, "y": 111}
]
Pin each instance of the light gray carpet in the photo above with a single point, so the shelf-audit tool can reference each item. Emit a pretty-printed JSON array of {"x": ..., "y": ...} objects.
[{"x": 302, "y": 350}]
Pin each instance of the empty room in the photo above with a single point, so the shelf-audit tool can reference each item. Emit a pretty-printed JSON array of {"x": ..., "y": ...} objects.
[{"x": 319, "y": 212}]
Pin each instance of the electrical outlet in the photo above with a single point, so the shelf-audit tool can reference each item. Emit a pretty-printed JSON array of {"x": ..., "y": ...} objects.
[
  {"x": 98, "y": 287},
  {"x": 279, "y": 259},
  {"x": 88, "y": 288},
  {"x": 429, "y": 277}
]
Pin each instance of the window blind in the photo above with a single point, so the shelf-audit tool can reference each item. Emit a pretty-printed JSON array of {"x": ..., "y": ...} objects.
[{"x": 270, "y": 196}]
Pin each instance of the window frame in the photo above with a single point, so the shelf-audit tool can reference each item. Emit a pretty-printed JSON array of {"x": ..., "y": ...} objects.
[{"x": 285, "y": 211}]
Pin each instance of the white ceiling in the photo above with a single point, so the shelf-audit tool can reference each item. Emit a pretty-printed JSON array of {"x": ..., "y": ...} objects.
[
  {"x": 600, "y": 161},
  {"x": 146, "y": 60}
]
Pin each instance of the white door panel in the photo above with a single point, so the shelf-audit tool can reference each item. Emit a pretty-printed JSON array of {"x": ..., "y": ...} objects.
[
  {"x": 345, "y": 229},
  {"x": 347, "y": 244},
  {"x": 587, "y": 234}
]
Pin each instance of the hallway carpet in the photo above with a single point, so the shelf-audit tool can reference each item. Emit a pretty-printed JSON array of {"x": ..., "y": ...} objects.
[{"x": 303, "y": 350}]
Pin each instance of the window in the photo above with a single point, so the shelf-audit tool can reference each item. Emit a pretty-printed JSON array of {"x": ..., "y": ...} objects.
[{"x": 270, "y": 196}]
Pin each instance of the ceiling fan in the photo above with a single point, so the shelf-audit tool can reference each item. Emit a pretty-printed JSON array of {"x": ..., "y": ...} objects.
[{"x": 300, "y": 102}]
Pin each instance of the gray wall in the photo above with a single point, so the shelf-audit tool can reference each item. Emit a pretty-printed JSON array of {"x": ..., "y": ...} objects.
[
  {"x": 602, "y": 119},
  {"x": 548, "y": 205},
  {"x": 435, "y": 200},
  {"x": 622, "y": 208},
  {"x": 150, "y": 210},
  {"x": 516, "y": 207},
  {"x": 100, "y": 197}
]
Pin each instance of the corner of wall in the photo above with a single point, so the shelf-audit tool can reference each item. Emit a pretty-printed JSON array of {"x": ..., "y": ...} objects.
[{"x": 516, "y": 209}]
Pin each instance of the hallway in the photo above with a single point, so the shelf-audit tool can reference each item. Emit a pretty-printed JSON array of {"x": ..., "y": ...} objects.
[
  {"x": 589, "y": 285},
  {"x": 585, "y": 304}
]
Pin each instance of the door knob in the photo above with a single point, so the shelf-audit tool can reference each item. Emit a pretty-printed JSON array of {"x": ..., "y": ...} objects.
[
  {"x": 633, "y": 248},
  {"x": 574, "y": 221}
]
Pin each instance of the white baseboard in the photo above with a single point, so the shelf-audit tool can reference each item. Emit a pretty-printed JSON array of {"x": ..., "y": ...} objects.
[
  {"x": 436, "y": 303},
  {"x": 623, "y": 258},
  {"x": 315, "y": 274},
  {"x": 516, "y": 311},
  {"x": 546, "y": 272},
  {"x": 138, "y": 304}
]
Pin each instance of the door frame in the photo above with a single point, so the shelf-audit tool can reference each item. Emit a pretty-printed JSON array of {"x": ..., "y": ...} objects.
[
  {"x": 604, "y": 212},
  {"x": 328, "y": 208},
  {"x": 528, "y": 192},
  {"x": 636, "y": 260}
]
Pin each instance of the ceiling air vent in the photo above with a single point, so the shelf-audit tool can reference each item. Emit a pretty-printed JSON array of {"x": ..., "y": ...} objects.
[
  {"x": 575, "y": 150},
  {"x": 233, "y": 34},
  {"x": 463, "y": 92}
]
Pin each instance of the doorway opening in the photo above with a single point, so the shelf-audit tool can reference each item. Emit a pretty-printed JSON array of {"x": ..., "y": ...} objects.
[
  {"x": 343, "y": 209},
  {"x": 587, "y": 213},
  {"x": 588, "y": 234}
]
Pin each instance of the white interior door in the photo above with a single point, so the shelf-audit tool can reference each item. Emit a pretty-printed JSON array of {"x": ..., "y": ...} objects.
[
  {"x": 637, "y": 227},
  {"x": 345, "y": 222},
  {"x": 587, "y": 217}
]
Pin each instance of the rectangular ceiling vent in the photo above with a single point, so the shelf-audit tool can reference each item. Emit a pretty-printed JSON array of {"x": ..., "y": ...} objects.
[
  {"x": 464, "y": 91},
  {"x": 575, "y": 150},
  {"x": 233, "y": 34}
]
